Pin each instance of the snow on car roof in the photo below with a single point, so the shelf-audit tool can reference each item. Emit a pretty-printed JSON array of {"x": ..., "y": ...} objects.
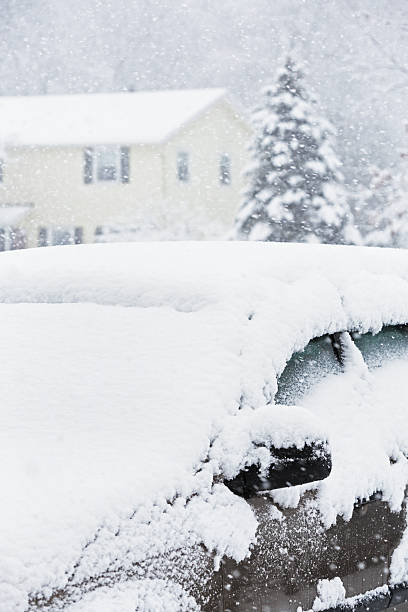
[
  {"x": 133, "y": 373},
  {"x": 144, "y": 117}
]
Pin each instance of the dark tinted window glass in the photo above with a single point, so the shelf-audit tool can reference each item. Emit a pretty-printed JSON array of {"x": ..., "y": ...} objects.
[
  {"x": 390, "y": 343},
  {"x": 125, "y": 164},
  {"x": 17, "y": 239},
  {"x": 183, "y": 171},
  {"x": 62, "y": 237},
  {"x": 88, "y": 165},
  {"x": 2, "y": 239},
  {"x": 42, "y": 237},
  {"x": 225, "y": 169},
  {"x": 78, "y": 235},
  {"x": 107, "y": 163},
  {"x": 305, "y": 369}
]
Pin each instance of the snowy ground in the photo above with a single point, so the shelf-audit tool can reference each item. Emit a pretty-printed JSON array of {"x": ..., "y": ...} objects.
[{"x": 133, "y": 374}]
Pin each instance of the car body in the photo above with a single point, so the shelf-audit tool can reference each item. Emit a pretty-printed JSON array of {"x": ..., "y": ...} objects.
[
  {"x": 293, "y": 553},
  {"x": 141, "y": 381}
]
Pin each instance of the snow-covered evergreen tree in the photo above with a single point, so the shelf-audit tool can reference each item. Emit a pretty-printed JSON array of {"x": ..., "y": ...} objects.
[
  {"x": 295, "y": 190},
  {"x": 384, "y": 218}
]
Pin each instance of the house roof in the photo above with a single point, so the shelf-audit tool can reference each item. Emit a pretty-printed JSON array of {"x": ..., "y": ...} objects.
[{"x": 145, "y": 117}]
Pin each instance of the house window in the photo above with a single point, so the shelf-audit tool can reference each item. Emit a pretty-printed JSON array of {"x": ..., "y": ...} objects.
[
  {"x": 67, "y": 235},
  {"x": 12, "y": 238},
  {"x": 17, "y": 239},
  {"x": 106, "y": 163},
  {"x": 42, "y": 237},
  {"x": 62, "y": 236},
  {"x": 125, "y": 164},
  {"x": 183, "y": 172},
  {"x": 78, "y": 235},
  {"x": 225, "y": 169},
  {"x": 88, "y": 165}
]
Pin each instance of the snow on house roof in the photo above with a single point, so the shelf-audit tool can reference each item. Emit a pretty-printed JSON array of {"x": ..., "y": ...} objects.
[
  {"x": 144, "y": 117},
  {"x": 133, "y": 373}
]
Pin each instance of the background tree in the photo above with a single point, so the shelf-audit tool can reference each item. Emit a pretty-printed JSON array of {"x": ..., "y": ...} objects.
[
  {"x": 295, "y": 190},
  {"x": 383, "y": 210}
]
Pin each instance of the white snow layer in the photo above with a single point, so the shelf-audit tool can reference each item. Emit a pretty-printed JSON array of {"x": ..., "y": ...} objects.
[
  {"x": 134, "y": 375},
  {"x": 141, "y": 596},
  {"x": 142, "y": 117},
  {"x": 330, "y": 593}
]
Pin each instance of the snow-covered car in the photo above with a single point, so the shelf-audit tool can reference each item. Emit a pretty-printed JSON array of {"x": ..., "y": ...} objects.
[{"x": 155, "y": 395}]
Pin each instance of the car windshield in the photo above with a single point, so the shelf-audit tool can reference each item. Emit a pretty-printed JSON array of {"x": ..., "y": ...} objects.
[{"x": 305, "y": 369}]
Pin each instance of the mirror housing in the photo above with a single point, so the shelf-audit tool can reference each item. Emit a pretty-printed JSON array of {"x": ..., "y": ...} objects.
[{"x": 289, "y": 467}]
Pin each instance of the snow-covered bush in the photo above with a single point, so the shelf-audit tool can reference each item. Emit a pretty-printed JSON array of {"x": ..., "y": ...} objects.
[
  {"x": 382, "y": 210},
  {"x": 295, "y": 188}
]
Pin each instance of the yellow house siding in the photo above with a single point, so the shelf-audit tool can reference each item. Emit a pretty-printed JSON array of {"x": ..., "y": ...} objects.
[
  {"x": 52, "y": 179},
  {"x": 216, "y": 132}
]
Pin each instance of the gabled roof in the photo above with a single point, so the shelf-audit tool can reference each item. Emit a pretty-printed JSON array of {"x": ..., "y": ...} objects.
[{"x": 144, "y": 117}]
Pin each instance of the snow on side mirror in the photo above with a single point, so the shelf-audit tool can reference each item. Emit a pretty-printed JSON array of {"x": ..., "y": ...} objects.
[
  {"x": 289, "y": 467},
  {"x": 271, "y": 448}
]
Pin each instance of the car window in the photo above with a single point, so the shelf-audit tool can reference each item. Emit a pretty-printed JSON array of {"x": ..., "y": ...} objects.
[
  {"x": 306, "y": 368},
  {"x": 390, "y": 343}
]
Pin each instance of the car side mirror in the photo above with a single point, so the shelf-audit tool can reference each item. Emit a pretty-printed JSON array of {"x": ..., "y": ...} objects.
[{"x": 289, "y": 467}]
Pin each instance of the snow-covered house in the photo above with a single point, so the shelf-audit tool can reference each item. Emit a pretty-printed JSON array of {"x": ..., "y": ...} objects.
[{"x": 73, "y": 165}]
